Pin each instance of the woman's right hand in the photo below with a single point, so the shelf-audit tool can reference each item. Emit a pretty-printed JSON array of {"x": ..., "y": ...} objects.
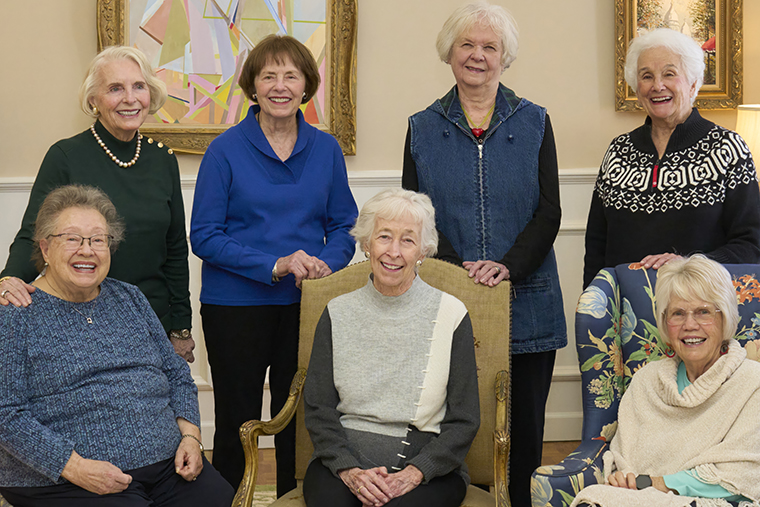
[
  {"x": 621, "y": 480},
  {"x": 15, "y": 290},
  {"x": 99, "y": 477},
  {"x": 368, "y": 486},
  {"x": 303, "y": 266}
]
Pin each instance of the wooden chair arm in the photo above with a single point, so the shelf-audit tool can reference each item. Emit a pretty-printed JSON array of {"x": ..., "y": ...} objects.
[
  {"x": 249, "y": 436},
  {"x": 501, "y": 440}
]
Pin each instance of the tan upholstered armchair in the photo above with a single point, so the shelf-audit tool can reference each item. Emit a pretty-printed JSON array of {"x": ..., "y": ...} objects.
[{"x": 489, "y": 310}]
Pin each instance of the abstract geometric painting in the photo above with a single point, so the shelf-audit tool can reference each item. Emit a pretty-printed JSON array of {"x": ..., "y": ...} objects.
[{"x": 198, "y": 48}]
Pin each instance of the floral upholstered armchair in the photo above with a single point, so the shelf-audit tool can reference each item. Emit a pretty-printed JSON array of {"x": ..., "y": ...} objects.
[{"x": 616, "y": 334}]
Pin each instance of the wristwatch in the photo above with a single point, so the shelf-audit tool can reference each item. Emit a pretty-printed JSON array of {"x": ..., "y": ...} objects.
[
  {"x": 180, "y": 334},
  {"x": 643, "y": 481}
]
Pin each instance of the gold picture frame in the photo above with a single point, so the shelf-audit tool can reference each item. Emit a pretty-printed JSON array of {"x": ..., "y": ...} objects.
[
  {"x": 340, "y": 80},
  {"x": 724, "y": 88}
]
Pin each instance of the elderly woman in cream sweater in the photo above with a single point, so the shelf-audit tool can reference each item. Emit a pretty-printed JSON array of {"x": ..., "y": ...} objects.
[{"x": 688, "y": 426}]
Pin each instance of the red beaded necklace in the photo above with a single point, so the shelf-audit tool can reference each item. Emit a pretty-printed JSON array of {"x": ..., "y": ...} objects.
[{"x": 476, "y": 130}]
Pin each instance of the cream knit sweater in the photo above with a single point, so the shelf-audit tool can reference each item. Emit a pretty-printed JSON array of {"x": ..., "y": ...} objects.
[{"x": 712, "y": 427}]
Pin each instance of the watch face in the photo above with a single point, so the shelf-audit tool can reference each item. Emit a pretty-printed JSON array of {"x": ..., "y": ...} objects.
[{"x": 643, "y": 481}]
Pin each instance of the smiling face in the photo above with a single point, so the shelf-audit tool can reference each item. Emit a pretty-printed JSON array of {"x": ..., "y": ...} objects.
[
  {"x": 662, "y": 87},
  {"x": 698, "y": 338},
  {"x": 394, "y": 249},
  {"x": 279, "y": 89},
  {"x": 476, "y": 58},
  {"x": 122, "y": 98},
  {"x": 74, "y": 271}
]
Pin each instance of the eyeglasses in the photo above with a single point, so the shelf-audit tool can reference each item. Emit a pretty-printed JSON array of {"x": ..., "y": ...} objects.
[
  {"x": 73, "y": 242},
  {"x": 704, "y": 315}
]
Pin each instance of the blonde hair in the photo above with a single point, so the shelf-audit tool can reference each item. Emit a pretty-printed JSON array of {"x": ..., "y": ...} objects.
[
  {"x": 696, "y": 277},
  {"x": 495, "y": 17},
  {"x": 392, "y": 204},
  {"x": 92, "y": 79}
]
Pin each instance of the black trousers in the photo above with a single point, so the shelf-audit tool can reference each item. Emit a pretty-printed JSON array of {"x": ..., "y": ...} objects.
[
  {"x": 322, "y": 489},
  {"x": 155, "y": 485},
  {"x": 531, "y": 380},
  {"x": 242, "y": 341}
]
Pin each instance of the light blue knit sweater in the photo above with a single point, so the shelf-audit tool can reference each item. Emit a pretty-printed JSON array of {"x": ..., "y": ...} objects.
[{"x": 110, "y": 390}]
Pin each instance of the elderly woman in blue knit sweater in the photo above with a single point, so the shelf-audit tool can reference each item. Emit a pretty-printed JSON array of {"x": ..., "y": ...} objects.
[
  {"x": 391, "y": 397},
  {"x": 95, "y": 406}
]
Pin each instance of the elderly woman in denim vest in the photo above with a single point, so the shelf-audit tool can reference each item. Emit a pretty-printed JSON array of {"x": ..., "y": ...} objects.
[{"x": 487, "y": 159}]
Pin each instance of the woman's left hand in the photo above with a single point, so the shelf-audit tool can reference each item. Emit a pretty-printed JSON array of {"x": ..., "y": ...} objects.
[
  {"x": 658, "y": 261},
  {"x": 404, "y": 481},
  {"x": 628, "y": 481},
  {"x": 487, "y": 272},
  {"x": 188, "y": 460}
]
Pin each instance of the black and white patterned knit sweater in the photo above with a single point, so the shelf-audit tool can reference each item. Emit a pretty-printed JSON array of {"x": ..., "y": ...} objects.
[{"x": 700, "y": 197}]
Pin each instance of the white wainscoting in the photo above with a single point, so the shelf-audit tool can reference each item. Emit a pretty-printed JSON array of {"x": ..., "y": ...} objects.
[{"x": 564, "y": 416}]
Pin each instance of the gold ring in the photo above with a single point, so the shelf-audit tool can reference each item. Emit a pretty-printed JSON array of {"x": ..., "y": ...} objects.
[
  {"x": 358, "y": 491},
  {"x": 6, "y": 291},
  {"x": 498, "y": 270}
]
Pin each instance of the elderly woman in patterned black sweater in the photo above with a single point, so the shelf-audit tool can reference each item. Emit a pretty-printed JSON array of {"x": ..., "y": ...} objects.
[
  {"x": 679, "y": 184},
  {"x": 96, "y": 408},
  {"x": 391, "y": 399}
]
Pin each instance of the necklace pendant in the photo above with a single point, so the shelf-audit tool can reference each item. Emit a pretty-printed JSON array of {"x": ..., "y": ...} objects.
[
  {"x": 477, "y": 132},
  {"x": 89, "y": 320}
]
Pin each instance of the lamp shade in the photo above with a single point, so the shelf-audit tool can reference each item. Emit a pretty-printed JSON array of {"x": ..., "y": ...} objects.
[{"x": 748, "y": 126}]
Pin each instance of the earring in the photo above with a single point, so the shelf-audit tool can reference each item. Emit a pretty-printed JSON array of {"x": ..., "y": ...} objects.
[
  {"x": 419, "y": 262},
  {"x": 724, "y": 349},
  {"x": 366, "y": 254},
  {"x": 255, "y": 98},
  {"x": 669, "y": 352},
  {"x": 95, "y": 110},
  {"x": 303, "y": 99}
]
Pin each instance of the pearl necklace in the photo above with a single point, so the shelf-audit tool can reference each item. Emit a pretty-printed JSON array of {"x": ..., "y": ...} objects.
[{"x": 113, "y": 157}]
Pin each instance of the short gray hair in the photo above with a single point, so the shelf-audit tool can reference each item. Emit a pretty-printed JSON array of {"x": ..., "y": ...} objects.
[
  {"x": 395, "y": 203},
  {"x": 74, "y": 196},
  {"x": 692, "y": 56},
  {"x": 494, "y": 16},
  {"x": 92, "y": 79},
  {"x": 696, "y": 277}
]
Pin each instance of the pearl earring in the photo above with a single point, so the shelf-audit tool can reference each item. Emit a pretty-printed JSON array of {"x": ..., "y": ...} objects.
[
  {"x": 366, "y": 254},
  {"x": 95, "y": 110},
  {"x": 419, "y": 263}
]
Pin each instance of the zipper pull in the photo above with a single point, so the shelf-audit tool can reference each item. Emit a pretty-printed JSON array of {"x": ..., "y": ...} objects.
[
  {"x": 654, "y": 174},
  {"x": 480, "y": 151}
]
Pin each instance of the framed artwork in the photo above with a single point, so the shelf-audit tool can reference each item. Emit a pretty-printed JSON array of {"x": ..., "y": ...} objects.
[
  {"x": 716, "y": 25},
  {"x": 198, "y": 48}
]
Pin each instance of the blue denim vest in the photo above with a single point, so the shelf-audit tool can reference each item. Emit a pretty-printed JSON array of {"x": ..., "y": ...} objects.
[{"x": 485, "y": 194}]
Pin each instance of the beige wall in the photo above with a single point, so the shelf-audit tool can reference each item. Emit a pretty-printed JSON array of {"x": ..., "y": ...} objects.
[{"x": 565, "y": 63}]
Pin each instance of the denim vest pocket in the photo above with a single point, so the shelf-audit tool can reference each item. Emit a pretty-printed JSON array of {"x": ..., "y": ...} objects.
[{"x": 532, "y": 317}]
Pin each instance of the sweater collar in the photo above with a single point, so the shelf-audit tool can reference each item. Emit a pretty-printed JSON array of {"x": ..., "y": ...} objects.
[
  {"x": 507, "y": 103},
  {"x": 404, "y": 300},
  {"x": 255, "y": 135},
  {"x": 685, "y": 135},
  {"x": 706, "y": 385},
  {"x": 123, "y": 150}
]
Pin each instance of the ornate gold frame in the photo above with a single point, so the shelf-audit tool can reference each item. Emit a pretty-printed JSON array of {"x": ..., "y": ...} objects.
[
  {"x": 341, "y": 112},
  {"x": 725, "y": 94}
]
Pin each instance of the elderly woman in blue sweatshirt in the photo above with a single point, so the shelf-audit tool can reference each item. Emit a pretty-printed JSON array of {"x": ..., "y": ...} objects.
[
  {"x": 272, "y": 207},
  {"x": 95, "y": 406}
]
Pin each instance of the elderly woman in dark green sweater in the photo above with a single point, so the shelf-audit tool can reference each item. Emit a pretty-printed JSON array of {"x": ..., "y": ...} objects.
[
  {"x": 391, "y": 397},
  {"x": 139, "y": 175}
]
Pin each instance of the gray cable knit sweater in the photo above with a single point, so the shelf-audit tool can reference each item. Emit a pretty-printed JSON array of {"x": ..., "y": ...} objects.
[{"x": 392, "y": 381}]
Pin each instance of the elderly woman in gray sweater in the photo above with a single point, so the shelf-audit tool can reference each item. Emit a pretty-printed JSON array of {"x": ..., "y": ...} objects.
[{"x": 391, "y": 397}]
